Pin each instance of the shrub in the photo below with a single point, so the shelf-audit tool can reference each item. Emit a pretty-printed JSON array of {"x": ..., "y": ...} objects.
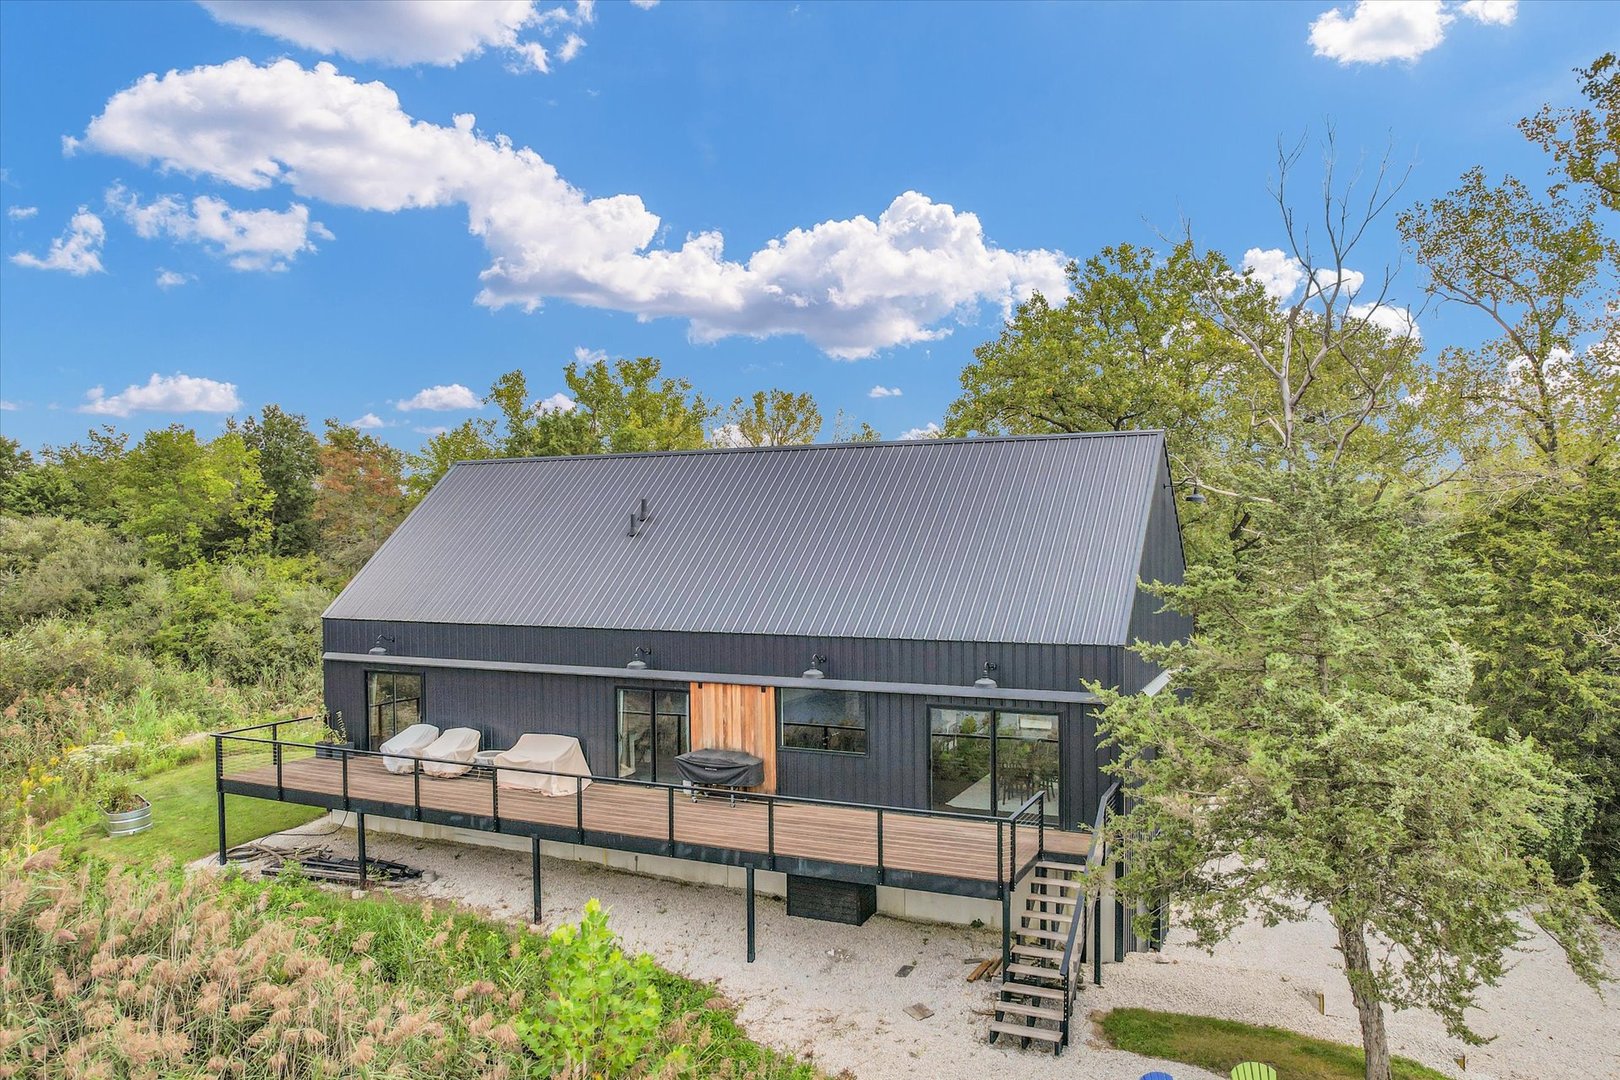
[
  {"x": 115, "y": 794},
  {"x": 603, "y": 1009},
  {"x": 53, "y": 566},
  {"x": 52, "y": 655}
]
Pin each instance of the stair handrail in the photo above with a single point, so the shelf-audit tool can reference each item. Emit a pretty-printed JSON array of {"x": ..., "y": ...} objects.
[{"x": 1097, "y": 855}]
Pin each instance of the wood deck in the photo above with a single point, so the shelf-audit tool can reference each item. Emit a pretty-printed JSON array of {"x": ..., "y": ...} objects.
[{"x": 912, "y": 843}]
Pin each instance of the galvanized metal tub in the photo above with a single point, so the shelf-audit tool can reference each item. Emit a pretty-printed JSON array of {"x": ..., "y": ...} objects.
[{"x": 129, "y": 822}]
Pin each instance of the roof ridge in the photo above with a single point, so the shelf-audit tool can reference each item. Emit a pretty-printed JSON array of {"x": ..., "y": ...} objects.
[{"x": 1056, "y": 436}]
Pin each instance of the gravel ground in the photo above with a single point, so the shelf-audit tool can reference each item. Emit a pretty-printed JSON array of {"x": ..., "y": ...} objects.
[{"x": 831, "y": 992}]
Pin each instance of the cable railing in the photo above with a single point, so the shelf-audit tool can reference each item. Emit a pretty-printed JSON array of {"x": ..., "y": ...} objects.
[{"x": 892, "y": 844}]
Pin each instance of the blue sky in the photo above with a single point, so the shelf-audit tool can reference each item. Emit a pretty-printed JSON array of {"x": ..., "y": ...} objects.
[{"x": 258, "y": 228}]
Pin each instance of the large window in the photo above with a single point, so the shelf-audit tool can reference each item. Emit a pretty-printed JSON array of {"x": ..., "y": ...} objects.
[
  {"x": 654, "y": 726},
  {"x": 393, "y": 703},
  {"x": 823, "y": 720},
  {"x": 991, "y": 761}
]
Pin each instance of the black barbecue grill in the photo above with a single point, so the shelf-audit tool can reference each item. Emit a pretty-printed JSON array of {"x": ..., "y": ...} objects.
[{"x": 721, "y": 768}]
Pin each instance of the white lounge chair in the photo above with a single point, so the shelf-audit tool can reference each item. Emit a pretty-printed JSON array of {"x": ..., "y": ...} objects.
[
  {"x": 551, "y": 753},
  {"x": 404, "y": 748},
  {"x": 451, "y": 754}
]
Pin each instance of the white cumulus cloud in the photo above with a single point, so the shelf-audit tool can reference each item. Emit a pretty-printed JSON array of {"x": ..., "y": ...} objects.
[
  {"x": 1281, "y": 275},
  {"x": 77, "y": 251},
  {"x": 21, "y": 213},
  {"x": 166, "y": 394},
  {"x": 930, "y": 430},
  {"x": 249, "y": 239},
  {"x": 727, "y": 435},
  {"x": 1491, "y": 12},
  {"x": 1278, "y": 272},
  {"x": 398, "y": 32},
  {"x": 172, "y": 279},
  {"x": 408, "y": 32},
  {"x": 850, "y": 286},
  {"x": 8, "y": 406},
  {"x": 556, "y": 403},
  {"x": 441, "y": 398},
  {"x": 368, "y": 422},
  {"x": 1397, "y": 321},
  {"x": 1377, "y": 31},
  {"x": 645, "y": 5},
  {"x": 883, "y": 391}
]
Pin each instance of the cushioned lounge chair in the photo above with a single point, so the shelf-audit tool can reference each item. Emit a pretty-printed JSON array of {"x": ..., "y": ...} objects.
[
  {"x": 549, "y": 753},
  {"x": 451, "y": 754},
  {"x": 404, "y": 748}
]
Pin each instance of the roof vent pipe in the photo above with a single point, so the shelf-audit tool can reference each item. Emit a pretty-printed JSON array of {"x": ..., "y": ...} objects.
[
  {"x": 635, "y": 524},
  {"x": 642, "y": 515}
]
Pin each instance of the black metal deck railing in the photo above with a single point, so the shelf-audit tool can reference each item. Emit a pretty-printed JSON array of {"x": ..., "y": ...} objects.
[{"x": 257, "y": 761}]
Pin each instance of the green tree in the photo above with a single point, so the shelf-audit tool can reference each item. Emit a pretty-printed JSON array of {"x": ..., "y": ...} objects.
[
  {"x": 361, "y": 497},
  {"x": 546, "y": 428},
  {"x": 28, "y": 486},
  {"x": 1128, "y": 348},
  {"x": 771, "y": 418},
  {"x": 1585, "y": 143},
  {"x": 845, "y": 428},
  {"x": 630, "y": 406},
  {"x": 186, "y": 500},
  {"x": 1542, "y": 273},
  {"x": 1315, "y": 748},
  {"x": 290, "y": 462},
  {"x": 1547, "y": 641},
  {"x": 84, "y": 477},
  {"x": 470, "y": 440}
]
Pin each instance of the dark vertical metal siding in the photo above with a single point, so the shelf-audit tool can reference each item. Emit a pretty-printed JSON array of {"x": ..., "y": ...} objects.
[
  {"x": 1033, "y": 667},
  {"x": 1162, "y": 560},
  {"x": 894, "y": 770}
]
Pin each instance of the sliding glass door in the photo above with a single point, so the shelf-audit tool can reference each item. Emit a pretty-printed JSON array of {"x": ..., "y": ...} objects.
[
  {"x": 991, "y": 761},
  {"x": 654, "y": 726}
]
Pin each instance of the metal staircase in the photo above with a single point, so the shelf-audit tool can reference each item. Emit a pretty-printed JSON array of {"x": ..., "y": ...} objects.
[
  {"x": 1050, "y": 944},
  {"x": 1042, "y": 975}
]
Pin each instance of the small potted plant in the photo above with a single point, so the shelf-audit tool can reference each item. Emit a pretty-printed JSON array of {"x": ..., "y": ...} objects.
[{"x": 123, "y": 811}]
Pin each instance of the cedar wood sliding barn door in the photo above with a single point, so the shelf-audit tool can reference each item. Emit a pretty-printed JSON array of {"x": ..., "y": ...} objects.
[{"x": 735, "y": 717}]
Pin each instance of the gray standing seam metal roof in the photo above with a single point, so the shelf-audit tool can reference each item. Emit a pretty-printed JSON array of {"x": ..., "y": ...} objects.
[{"x": 1021, "y": 539}]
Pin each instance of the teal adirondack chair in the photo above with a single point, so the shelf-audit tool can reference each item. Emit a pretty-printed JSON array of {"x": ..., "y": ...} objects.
[{"x": 1253, "y": 1070}]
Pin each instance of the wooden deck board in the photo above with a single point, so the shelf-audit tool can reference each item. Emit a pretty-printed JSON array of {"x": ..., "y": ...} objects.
[{"x": 947, "y": 847}]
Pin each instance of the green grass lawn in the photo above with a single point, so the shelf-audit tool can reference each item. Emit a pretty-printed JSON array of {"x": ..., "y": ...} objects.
[
  {"x": 1219, "y": 1045},
  {"x": 184, "y": 821}
]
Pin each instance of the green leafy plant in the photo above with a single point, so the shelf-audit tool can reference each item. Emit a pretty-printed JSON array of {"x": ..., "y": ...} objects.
[
  {"x": 604, "y": 1009},
  {"x": 115, "y": 794}
]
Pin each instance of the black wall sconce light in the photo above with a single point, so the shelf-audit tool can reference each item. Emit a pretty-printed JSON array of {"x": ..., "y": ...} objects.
[
  {"x": 814, "y": 671},
  {"x": 985, "y": 681},
  {"x": 639, "y": 661},
  {"x": 380, "y": 649}
]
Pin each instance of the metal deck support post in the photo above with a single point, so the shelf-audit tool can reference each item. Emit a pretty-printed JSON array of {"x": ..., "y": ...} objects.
[
  {"x": 534, "y": 850},
  {"x": 360, "y": 836},
  {"x": 750, "y": 874},
  {"x": 1096, "y": 940},
  {"x": 1006, "y": 930},
  {"x": 219, "y": 791}
]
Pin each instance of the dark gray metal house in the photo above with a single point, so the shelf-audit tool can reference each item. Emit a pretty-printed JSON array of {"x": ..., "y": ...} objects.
[
  {"x": 830, "y": 608},
  {"x": 896, "y": 637}
]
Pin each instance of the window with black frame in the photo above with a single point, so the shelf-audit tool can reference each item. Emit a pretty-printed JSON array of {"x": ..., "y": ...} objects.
[
  {"x": 830, "y": 720},
  {"x": 393, "y": 703},
  {"x": 992, "y": 761}
]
